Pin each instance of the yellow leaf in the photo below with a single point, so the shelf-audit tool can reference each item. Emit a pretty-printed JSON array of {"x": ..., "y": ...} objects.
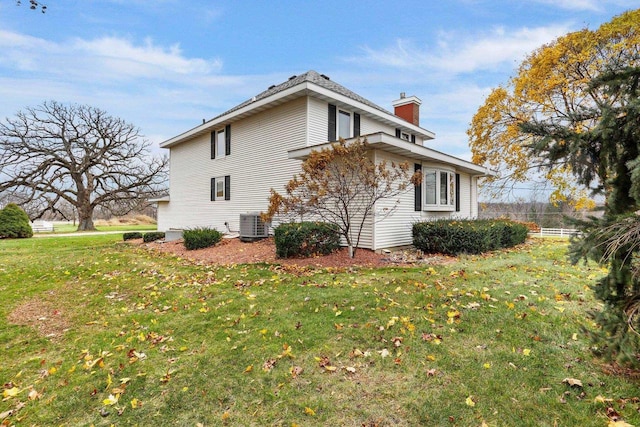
[
  {"x": 619, "y": 423},
  {"x": 111, "y": 400},
  {"x": 487, "y": 366},
  {"x": 526, "y": 352},
  {"x": 309, "y": 411},
  {"x": 601, "y": 399},
  {"x": 225, "y": 415},
  {"x": 11, "y": 392},
  {"x": 470, "y": 402},
  {"x": 248, "y": 369},
  {"x": 135, "y": 403}
]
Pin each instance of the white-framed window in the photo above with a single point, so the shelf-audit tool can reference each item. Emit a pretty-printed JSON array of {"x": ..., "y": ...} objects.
[
  {"x": 344, "y": 124},
  {"x": 220, "y": 144},
  {"x": 405, "y": 136},
  {"x": 439, "y": 189},
  {"x": 221, "y": 188}
]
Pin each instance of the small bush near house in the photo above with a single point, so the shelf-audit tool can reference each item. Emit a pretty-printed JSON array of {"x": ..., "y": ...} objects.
[
  {"x": 14, "y": 223},
  {"x": 454, "y": 237},
  {"x": 305, "y": 239},
  {"x": 132, "y": 235},
  {"x": 199, "y": 238},
  {"x": 152, "y": 236}
]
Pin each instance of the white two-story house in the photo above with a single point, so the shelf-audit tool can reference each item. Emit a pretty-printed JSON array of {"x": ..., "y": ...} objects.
[{"x": 226, "y": 166}]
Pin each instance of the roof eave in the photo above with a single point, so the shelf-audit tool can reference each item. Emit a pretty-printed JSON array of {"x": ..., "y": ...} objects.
[
  {"x": 301, "y": 89},
  {"x": 386, "y": 142}
]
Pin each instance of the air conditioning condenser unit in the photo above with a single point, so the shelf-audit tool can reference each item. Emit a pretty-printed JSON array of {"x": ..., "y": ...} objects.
[{"x": 252, "y": 227}]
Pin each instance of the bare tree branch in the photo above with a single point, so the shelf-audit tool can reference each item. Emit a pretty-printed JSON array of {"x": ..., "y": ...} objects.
[{"x": 79, "y": 155}]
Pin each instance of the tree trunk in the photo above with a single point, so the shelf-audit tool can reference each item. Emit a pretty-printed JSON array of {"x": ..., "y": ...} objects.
[{"x": 85, "y": 218}]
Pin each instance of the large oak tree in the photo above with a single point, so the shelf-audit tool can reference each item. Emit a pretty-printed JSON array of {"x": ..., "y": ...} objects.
[{"x": 56, "y": 154}]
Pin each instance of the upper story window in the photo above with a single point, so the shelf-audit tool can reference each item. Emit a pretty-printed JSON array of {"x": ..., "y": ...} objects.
[
  {"x": 405, "y": 136},
  {"x": 342, "y": 123},
  {"x": 439, "y": 189},
  {"x": 221, "y": 142}
]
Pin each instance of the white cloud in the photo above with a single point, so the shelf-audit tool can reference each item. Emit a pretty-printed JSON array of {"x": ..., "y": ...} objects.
[
  {"x": 109, "y": 58},
  {"x": 457, "y": 53},
  {"x": 157, "y": 88},
  {"x": 588, "y": 5}
]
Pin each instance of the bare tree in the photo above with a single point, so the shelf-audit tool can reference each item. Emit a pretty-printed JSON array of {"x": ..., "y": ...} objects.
[
  {"x": 77, "y": 154},
  {"x": 342, "y": 185}
]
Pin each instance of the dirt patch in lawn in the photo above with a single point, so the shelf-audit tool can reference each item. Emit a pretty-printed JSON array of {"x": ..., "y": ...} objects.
[
  {"x": 43, "y": 316},
  {"x": 234, "y": 251}
]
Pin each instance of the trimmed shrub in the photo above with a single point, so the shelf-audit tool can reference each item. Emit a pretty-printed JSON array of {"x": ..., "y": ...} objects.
[
  {"x": 14, "y": 223},
  {"x": 152, "y": 236},
  {"x": 454, "y": 237},
  {"x": 199, "y": 238},
  {"x": 305, "y": 239},
  {"x": 132, "y": 235}
]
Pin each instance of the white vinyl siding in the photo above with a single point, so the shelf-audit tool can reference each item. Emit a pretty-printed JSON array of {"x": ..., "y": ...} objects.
[
  {"x": 318, "y": 122},
  {"x": 259, "y": 163},
  {"x": 395, "y": 229}
]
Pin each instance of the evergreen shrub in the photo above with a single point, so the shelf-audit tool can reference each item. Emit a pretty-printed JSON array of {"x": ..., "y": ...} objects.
[
  {"x": 14, "y": 223},
  {"x": 454, "y": 237},
  {"x": 305, "y": 239},
  {"x": 201, "y": 237},
  {"x": 132, "y": 235},
  {"x": 152, "y": 236}
]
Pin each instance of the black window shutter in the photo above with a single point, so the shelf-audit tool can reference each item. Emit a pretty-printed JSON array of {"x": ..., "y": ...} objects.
[
  {"x": 213, "y": 189},
  {"x": 356, "y": 124},
  {"x": 213, "y": 145},
  {"x": 227, "y": 187},
  {"x": 227, "y": 140},
  {"x": 398, "y": 132},
  {"x": 413, "y": 138},
  {"x": 332, "y": 122},
  {"x": 418, "y": 190},
  {"x": 457, "y": 192}
]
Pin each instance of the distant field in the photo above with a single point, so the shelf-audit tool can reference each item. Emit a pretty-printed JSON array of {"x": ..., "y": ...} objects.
[
  {"x": 133, "y": 223},
  {"x": 98, "y": 332}
]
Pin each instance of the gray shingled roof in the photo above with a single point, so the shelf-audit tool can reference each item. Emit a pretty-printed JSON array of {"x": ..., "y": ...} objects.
[{"x": 309, "y": 76}]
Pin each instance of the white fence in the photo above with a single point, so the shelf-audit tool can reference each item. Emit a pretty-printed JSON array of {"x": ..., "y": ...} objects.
[
  {"x": 42, "y": 226},
  {"x": 555, "y": 232}
]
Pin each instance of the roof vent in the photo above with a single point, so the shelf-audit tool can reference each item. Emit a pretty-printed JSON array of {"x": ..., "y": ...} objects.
[
  {"x": 292, "y": 77},
  {"x": 324, "y": 76},
  {"x": 271, "y": 87}
]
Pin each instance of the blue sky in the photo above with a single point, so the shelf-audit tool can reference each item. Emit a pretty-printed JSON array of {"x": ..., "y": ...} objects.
[{"x": 165, "y": 65}]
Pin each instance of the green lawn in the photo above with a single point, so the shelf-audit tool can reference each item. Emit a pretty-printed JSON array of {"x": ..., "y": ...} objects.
[{"x": 140, "y": 338}]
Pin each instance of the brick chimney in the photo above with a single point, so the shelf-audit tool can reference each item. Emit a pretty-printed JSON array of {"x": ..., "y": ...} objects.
[{"x": 408, "y": 108}]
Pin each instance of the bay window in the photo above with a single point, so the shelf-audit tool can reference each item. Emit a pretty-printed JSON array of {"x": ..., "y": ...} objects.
[{"x": 439, "y": 189}]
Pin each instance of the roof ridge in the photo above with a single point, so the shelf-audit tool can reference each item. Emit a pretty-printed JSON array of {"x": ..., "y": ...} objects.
[{"x": 311, "y": 76}]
